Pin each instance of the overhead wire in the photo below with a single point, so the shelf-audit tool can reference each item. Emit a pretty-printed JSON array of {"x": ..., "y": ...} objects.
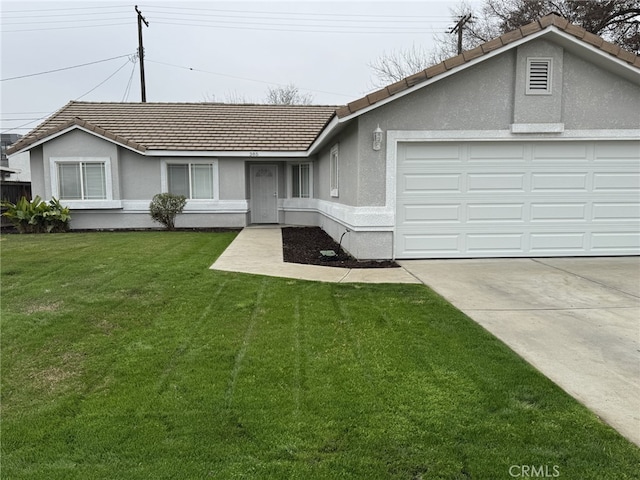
[
  {"x": 63, "y": 68},
  {"x": 104, "y": 81},
  {"x": 243, "y": 78},
  {"x": 41, "y": 29},
  {"x": 280, "y": 13},
  {"x": 127, "y": 90}
]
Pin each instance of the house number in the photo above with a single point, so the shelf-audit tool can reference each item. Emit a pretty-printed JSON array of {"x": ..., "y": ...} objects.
[{"x": 254, "y": 154}]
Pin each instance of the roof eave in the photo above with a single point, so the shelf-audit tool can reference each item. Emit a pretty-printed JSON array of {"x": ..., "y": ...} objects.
[
  {"x": 622, "y": 67},
  {"x": 252, "y": 154},
  {"x": 88, "y": 128}
]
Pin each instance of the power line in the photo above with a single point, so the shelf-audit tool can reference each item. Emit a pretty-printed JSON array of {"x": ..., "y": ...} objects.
[
  {"x": 22, "y": 127},
  {"x": 41, "y": 29},
  {"x": 242, "y": 21},
  {"x": 278, "y": 14},
  {"x": 64, "y": 9},
  {"x": 244, "y": 78},
  {"x": 383, "y": 20},
  {"x": 302, "y": 29},
  {"x": 103, "y": 82},
  {"x": 39, "y": 22},
  {"x": 62, "y": 69},
  {"x": 127, "y": 90}
]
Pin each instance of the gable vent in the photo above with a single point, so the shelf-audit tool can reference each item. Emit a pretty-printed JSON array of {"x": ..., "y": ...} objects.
[{"x": 538, "y": 76}]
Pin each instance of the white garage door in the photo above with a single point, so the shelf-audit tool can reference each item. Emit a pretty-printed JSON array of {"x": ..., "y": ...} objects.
[{"x": 517, "y": 199}]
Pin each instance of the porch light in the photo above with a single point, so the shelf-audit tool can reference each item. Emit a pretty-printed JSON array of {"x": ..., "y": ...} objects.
[{"x": 377, "y": 138}]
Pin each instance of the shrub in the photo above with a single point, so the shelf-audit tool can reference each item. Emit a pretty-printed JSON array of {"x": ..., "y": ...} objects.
[
  {"x": 37, "y": 216},
  {"x": 165, "y": 206}
]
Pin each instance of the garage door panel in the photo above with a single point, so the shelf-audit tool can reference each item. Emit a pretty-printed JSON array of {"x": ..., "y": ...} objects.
[
  {"x": 487, "y": 153},
  {"x": 616, "y": 212},
  {"x": 544, "y": 243},
  {"x": 421, "y": 153},
  {"x": 558, "y": 212},
  {"x": 616, "y": 152},
  {"x": 556, "y": 152},
  {"x": 616, "y": 182},
  {"x": 495, "y": 182},
  {"x": 418, "y": 245},
  {"x": 428, "y": 214},
  {"x": 494, "y": 243},
  {"x": 615, "y": 242},
  {"x": 426, "y": 183},
  {"x": 558, "y": 198},
  {"x": 548, "y": 181},
  {"x": 495, "y": 212}
]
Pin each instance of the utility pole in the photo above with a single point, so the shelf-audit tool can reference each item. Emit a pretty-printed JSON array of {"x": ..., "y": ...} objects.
[
  {"x": 458, "y": 29},
  {"x": 143, "y": 87}
]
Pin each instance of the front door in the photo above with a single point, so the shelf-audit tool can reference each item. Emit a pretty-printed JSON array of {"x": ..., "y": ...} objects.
[{"x": 264, "y": 194}]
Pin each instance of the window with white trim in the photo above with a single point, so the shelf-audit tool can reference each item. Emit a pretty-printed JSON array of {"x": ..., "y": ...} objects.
[
  {"x": 193, "y": 180},
  {"x": 539, "y": 72},
  {"x": 334, "y": 170},
  {"x": 81, "y": 178},
  {"x": 301, "y": 180}
]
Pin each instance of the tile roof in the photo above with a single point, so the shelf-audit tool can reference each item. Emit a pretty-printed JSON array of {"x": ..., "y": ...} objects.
[
  {"x": 510, "y": 37},
  {"x": 191, "y": 126}
]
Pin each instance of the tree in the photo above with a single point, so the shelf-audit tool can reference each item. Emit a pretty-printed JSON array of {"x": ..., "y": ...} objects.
[
  {"x": 396, "y": 65},
  {"x": 617, "y": 21},
  {"x": 281, "y": 95},
  {"x": 287, "y": 95}
]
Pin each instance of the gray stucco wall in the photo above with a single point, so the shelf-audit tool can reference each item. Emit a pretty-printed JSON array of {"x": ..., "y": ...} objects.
[
  {"x": 538, "y": 108},
  {"x": 232, "y": 178},
  {"x": 135, "y": 167},
  {"x": 594, "y": 98},
  {"x": 37, "y": 173},
  {"x": 348, "y": 171}
]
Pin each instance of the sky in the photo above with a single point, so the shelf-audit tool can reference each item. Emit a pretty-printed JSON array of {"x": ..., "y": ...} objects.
[{"x": 54, "y": 52}]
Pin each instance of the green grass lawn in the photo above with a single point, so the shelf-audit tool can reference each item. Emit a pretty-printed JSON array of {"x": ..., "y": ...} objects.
[{"x": 125, "y": 357}]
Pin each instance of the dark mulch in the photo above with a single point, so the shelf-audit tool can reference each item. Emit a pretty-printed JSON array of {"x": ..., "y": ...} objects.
[{"x": 303, "y": 245}]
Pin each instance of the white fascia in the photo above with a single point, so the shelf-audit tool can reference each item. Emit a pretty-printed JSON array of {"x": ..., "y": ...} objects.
[
  {"x": 326, "y": 131},
  {"x": 71, "y": 128},
  {"x": 222, "y": 153}
]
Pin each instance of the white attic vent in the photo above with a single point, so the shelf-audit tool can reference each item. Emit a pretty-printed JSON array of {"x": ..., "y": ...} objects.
[{"x": 539, "y": 76}]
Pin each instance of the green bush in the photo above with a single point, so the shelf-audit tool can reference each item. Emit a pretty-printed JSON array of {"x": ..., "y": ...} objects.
[
  {"x": 37, "y": 216},
  {"x": 165, "y": 206}
]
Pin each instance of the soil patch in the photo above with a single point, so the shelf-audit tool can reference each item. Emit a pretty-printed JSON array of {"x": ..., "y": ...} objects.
[{"x": 303, "y": 245}]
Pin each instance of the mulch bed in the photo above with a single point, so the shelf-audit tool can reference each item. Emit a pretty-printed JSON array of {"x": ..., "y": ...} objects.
[{"x": 303, "y": 245}]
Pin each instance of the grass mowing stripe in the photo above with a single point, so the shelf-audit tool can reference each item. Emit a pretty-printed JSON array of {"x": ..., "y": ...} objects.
[
  {"x": 188, "y": 338},
  {"x": 246, "y": 340}
]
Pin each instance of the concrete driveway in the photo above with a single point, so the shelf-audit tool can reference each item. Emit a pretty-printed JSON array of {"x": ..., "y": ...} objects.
[{"x": 577, "y": 320}]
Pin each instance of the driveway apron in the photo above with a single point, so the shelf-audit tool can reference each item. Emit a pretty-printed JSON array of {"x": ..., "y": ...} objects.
[{"x": 577, "y": 320}]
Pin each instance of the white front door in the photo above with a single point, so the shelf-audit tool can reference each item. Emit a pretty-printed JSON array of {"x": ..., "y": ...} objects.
[{"x": 264, "y": 194}]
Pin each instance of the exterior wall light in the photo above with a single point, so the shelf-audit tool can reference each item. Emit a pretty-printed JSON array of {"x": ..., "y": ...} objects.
[{"x": 377, "y": 138}]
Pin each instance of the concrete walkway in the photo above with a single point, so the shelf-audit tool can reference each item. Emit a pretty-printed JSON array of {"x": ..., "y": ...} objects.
[{"x": 258, "y": 250}]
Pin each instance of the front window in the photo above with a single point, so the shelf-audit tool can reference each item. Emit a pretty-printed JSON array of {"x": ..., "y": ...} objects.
[
  {"x": 334, "y": 168},
  {"x": 301, "y": 180},
  {"x": 194, "y": 181},
  {"x": 82, "y": 181}
]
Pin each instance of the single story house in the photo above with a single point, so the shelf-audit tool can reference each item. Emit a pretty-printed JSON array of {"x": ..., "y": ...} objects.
[{"x": 528, "y": 145}]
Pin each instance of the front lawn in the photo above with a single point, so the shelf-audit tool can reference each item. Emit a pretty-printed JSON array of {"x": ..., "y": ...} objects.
[{"x": 125, "y": 357}]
